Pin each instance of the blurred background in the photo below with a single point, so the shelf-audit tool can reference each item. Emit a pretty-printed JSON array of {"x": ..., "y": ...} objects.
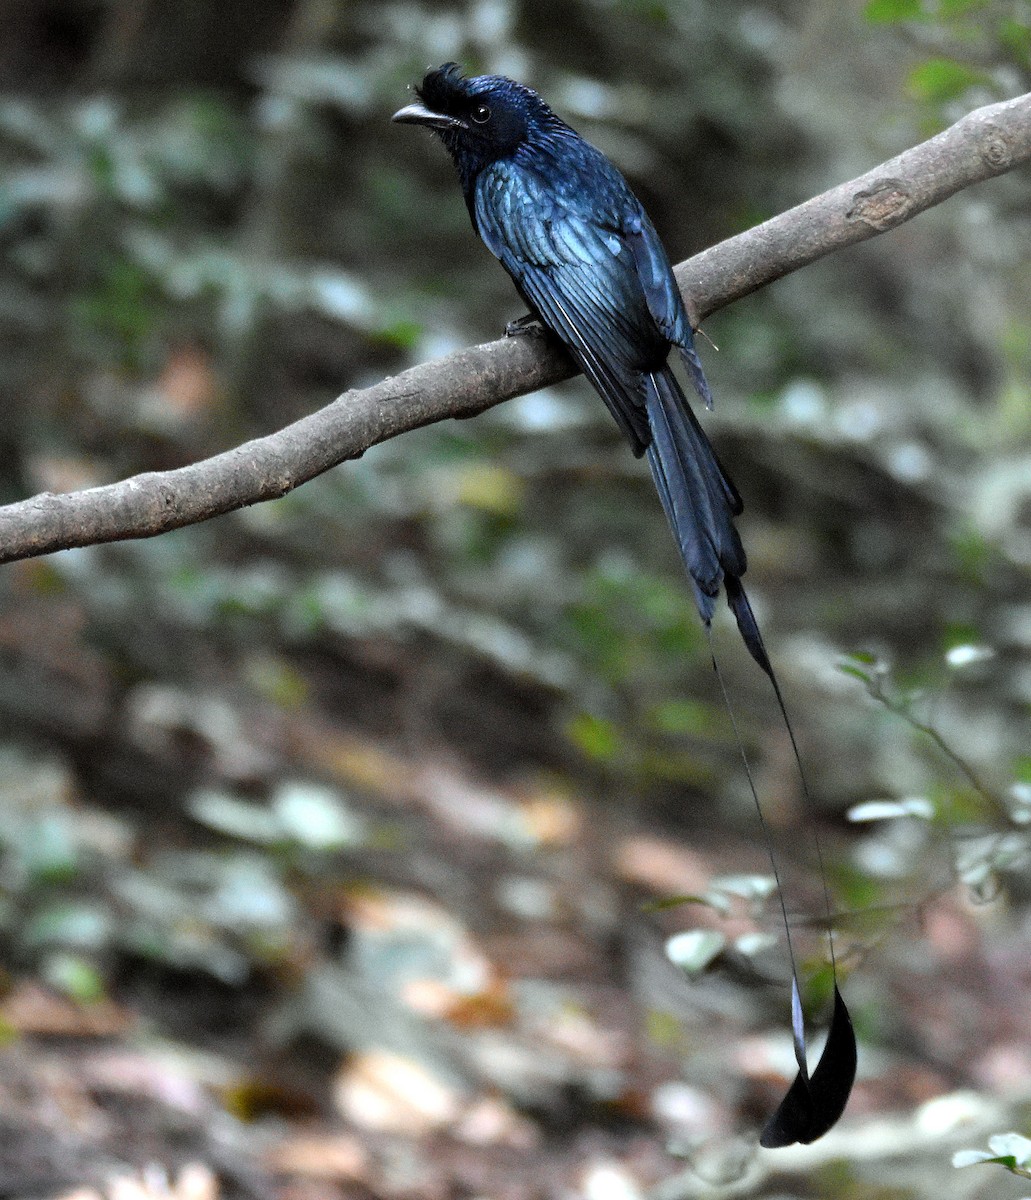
[{"x": 336, "y": 832}]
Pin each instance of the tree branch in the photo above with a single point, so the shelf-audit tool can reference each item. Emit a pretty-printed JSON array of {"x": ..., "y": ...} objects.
[{"x": 985, "y": 143}]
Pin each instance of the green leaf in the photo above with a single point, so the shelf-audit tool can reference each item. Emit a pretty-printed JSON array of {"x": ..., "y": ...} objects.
[
  {"x": 1016, "y": 37},
  {"x": 401, "y": 333},
  {"x": 958, "y": 8},
  {"x": 973, "y": 554},
  {"x": 1011, "y": 1145},
  {"x": 75, "y": 977},
  {"x": 647, "y": 10},
  {"x": 1004, "y": 1160},
  {"x": 861, "y": 665},
  {"x": 864, "y": 657},
  {"x": 597, "y": 737},
  {"x": 890, "y": 12},
  {"x": 942, "y": 79},
  {"x": 682, "y": 716},
  {"x": 1009, "y": 1150}
]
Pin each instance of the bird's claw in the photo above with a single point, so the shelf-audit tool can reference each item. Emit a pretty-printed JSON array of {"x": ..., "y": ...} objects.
[{"x": 521, "y": 326}]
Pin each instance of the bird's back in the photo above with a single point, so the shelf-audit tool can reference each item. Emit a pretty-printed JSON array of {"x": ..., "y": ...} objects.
[{"x": 561, "y": 219}]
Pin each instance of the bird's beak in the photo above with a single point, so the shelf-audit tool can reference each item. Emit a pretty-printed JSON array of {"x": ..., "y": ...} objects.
[{"x": 419, "y": 114}]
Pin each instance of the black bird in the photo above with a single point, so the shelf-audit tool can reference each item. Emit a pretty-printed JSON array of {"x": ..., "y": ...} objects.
[
  {"x": 586, "y": 259},
  {"x": 588, "y": 262}
]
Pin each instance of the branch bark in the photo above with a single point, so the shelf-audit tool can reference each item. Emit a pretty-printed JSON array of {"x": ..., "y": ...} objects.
[{"x": 987, "y": 142}]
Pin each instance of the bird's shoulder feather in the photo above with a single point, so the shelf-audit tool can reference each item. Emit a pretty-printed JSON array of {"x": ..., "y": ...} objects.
[
  {"x": 574, "y": 210},
  {"x": 543, "y": 219}
]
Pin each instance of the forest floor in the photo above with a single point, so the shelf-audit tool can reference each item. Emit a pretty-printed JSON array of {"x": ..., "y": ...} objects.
[{"x": 448, "y": 985}]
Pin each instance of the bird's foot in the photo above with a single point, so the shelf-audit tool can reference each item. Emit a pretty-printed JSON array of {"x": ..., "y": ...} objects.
[{"x": 521, "y": 326}]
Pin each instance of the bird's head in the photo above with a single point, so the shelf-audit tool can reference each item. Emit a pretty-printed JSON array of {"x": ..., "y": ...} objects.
[{"x": 479, "y": 120}]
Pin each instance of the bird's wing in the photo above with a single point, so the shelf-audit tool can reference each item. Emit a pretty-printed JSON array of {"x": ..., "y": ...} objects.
[
  {"x": 656, "y": 275},
  {"x": 578, "y": 272},
  {"x": 665, "y": 302}
]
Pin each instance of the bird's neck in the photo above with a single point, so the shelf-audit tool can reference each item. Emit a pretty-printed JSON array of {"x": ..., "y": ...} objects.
[
  {"x": 467, "y": 165},
  {"x": 538, "y": 145}
]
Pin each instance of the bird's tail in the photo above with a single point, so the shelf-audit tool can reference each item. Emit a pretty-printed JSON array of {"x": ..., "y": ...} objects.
[{"x": 701, "y": 503}]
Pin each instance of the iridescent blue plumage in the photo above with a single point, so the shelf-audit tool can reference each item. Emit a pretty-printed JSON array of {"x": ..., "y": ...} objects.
[{"x": 587, "y": 260}]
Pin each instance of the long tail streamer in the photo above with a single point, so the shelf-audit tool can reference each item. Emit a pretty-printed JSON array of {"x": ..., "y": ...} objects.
[
  {"x": 815, "y": 1100},
  {"x": 700, "y": 503}
]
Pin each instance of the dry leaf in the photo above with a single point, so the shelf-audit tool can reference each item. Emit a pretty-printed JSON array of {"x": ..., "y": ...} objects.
[
  {"x": 195, "y": 1181},
  {"x": 319, "y": 1156},
  {"x": 383, "y": 1091},
  {"x": 661, "y": 866},
  {"x": 32, "y": 1009}
]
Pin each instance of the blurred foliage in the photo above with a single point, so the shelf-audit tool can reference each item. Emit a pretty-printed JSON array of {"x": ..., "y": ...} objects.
[
  {"x": 82, "y": 887},
  {"x": 192, "y": 265},
  {"x": 987, "y": 45},
  {"x": 985, "y": 831},
  {"x": 210, "y": 228},
  {"x": 972, "y": 51}
]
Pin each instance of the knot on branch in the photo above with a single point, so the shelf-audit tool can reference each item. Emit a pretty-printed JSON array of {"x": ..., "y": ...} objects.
[
  {"x": 995, "y": 147},
  {"x": 885, "y": 204}
]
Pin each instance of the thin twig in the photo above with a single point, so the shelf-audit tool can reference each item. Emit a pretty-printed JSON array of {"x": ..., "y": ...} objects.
[{"x": 900, "y": 707}]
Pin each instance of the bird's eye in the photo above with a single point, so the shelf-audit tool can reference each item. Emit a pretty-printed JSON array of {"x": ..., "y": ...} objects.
[{"x": 481, "y": 114}]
